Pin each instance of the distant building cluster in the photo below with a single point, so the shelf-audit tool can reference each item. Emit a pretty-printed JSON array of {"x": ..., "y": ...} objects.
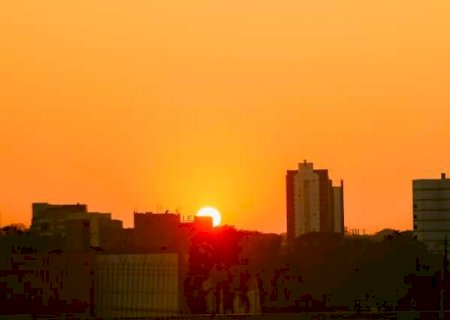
[
  {"x": 77, "y": 229},
  {"x": 313, "y": 204},
  {"x": 74, "y": 260}
]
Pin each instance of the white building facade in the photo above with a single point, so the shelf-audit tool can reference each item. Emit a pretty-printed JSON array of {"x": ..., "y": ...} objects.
[
  {"x": 307, "y": 200},
  {"x": 431, "y": 211}
]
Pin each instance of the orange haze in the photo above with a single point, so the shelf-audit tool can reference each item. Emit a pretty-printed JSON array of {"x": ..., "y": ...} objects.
[{"x": 175, "y": 104}]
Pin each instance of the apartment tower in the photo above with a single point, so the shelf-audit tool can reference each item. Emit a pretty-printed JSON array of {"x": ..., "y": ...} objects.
[{"x": 313, "y": 204}]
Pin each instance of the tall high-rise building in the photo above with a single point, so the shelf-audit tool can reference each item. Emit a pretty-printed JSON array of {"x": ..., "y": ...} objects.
[
  {"x": 313, "y": 204},
  {"x": 431, "y": 211}
]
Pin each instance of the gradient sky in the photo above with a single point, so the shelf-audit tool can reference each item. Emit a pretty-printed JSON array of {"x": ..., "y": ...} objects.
[{"x": 176, "y": 104}]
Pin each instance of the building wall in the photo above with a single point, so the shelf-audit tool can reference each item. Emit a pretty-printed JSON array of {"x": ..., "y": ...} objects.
[
  {"x": 49, "y": 219},
  {"x": 431, "y": 211},
  {"x": 77, "y": 234},
  {"x": 111, "y": 234},
  {"x": 69, "y": 221},
  {"x": 306, "y": 200},
  {"x": 303, "y": 201},
  {"x": 29, "y": 243},
  {"x": 290, "y": 206},
  {"x": 46, "y": 282},
  {"x": 312, "y": 203},
  {"x": 137, "y": 285},
  {"x": 326, "y": 201},
  {"x": 338, "y": 201},
  {"x": 156, "y": 231}
]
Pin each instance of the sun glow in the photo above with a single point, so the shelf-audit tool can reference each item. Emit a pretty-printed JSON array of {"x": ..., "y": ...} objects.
[{"x": 210, "y": 212}]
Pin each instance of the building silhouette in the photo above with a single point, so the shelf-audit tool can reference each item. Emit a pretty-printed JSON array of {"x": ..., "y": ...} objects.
[
  {"x": 156, "y": 231},
  {"x": 431, "y": 211},
  {"x": 72, "y": 261},
  {"x": 79, "y": 228},
  {"x": 313, "y": 204}
]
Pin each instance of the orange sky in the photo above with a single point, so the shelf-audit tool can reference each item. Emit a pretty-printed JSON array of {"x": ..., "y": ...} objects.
[{"x": 180, "y": 104}]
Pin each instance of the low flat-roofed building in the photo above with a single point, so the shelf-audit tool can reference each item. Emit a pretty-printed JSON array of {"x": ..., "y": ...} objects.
[
  {"x": 156, "y": 231},
  {"x": 80, "y": 228}
]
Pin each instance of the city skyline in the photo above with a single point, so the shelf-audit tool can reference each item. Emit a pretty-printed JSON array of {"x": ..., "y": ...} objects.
[
  {"x": 85, "y": 263},
  {"x": 181, "y": 105},
  {"x": 226, "y": 159},
  {"x": 290, "y": 177}
]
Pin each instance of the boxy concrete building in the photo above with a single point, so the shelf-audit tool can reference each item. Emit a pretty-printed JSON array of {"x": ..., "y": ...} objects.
[{"x": 79, "y": 228}]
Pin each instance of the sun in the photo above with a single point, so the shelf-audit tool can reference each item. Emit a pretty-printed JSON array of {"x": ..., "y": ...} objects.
[{"x": 210, "y": 212}]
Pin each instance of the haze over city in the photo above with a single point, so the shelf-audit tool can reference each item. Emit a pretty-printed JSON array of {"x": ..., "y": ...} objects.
[{"x": 183, "y": 104}]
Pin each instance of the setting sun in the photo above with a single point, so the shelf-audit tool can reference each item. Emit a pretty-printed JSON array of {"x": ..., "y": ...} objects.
[{"x": 210, "y": 212}]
